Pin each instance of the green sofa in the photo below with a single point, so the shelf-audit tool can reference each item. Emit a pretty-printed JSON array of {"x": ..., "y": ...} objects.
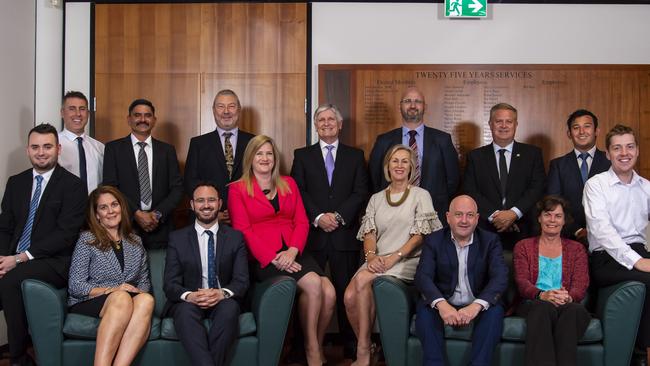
[
  {"x": 68, "y": 339},
  {"x": 608, "y": 341}
]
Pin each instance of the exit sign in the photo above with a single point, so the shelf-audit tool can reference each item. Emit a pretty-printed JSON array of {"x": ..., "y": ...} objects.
[{"x": 465, "y": 8}]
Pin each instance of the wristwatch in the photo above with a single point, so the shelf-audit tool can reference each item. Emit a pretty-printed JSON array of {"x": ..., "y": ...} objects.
[{"x": 18, "y": 260}]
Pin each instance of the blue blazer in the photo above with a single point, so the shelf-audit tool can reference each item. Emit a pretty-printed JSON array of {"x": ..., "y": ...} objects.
[
  {"x": 564, "y": 179},
  {"x": 92, "y": 268},
  {"x": 183, "y": 263},
  {"x": 440, "y": 172},
  {"x": 437, "y": 273}
]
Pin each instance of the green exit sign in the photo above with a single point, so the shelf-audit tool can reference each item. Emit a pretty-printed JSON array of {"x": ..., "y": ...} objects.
[{"x": 465, "y": 8}]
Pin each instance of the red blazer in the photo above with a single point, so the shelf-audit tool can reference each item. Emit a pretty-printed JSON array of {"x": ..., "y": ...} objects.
[
  {"x": 575, "y": 268},
  {"x": 263, "y": 228}
]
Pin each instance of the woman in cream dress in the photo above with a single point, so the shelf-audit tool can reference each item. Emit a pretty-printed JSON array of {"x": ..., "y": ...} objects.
[{"x": 392, "y": 229}]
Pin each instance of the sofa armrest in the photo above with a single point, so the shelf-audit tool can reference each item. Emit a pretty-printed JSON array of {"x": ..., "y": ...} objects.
[
  {"x": 272, "y": 304},
  {"x": 619, "y": 310},
  {"x": 394, "y": 301},
  {"x": 45, "y": 307}
]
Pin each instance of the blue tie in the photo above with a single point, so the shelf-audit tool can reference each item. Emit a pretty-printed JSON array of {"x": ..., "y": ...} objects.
[
  {"x": 212, "y": 274},
  {"x": 584, "y": 168},
  {"x": 26, "y": 237},
  {"x": 329, "y": 163}
]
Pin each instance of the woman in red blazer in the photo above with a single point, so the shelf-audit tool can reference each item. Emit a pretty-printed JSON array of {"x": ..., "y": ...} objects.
[
  {"x": 552, "y": 275},
  {"x": 268, "y": 209}
]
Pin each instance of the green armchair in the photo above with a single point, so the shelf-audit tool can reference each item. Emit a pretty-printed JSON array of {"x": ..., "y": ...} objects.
[
  {"x": 608, "y": 341},
  {"x": 62, "y": 339}
]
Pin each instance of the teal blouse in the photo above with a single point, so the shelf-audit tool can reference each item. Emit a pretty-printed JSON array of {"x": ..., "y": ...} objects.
[{"x": 550, "y": 273}]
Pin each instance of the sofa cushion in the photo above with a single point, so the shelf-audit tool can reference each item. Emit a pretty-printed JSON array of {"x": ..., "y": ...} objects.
[
  {"x": 79, "y": 326},
  {"x": 246, "y": 326},
  {"x": 514, "y": 330}
]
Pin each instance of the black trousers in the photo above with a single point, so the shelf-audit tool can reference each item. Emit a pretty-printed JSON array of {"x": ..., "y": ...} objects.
[
  {"x": 343, "y": 266},
  {"x": 211, "y": 347},
  {"x": 606, "y": 271},
  {"x": 11, "y": 297}
]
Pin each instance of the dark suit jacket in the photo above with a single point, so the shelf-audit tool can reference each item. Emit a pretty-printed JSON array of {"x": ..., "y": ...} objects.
[
  {"x": 346, "y": 195},
  {"x": 440, "y": 172},
  {"x": 206, "y": 161},
  {"x": 183, "y": 263},
  {"x": 524, "y": 188},
  {"x": 59, "y": 216},
  {"x": 437, "y": 273},
  {"x": 121, "y": 171},
  {"x": 564, "y": 179}
]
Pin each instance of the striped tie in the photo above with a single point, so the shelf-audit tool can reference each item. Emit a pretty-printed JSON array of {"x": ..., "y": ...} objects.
[
  {"x": 413, "y": 144},
  {"x": 26, "y": 237},
  {"x": 143, "y": 174},
  {"x": 230, "y": 157}
]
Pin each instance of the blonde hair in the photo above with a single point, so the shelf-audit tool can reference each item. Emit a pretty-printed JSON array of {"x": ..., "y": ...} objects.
[
  {"x": 412, "y": 161},
  {"x": 248, "y": 177}
]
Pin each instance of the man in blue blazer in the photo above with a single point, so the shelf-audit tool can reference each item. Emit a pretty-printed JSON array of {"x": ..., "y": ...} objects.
[
  {"x": 437, "y": 158},
  {"x": 461, "y": 277},
  {"x": 567, "y": 174},
  {"x": 206, "y": 275},
  {"x": 146, "y": 171}
]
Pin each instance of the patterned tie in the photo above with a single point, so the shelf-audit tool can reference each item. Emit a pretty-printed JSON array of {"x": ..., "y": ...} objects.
[
  {"x": 82, "y": 160},
  {"x": 143, "y": 174},
  {"x": 584, "y": 168},
  {"x": 26, "y": 237},
  {"x": 413, "y": 144},
  {"x": 503, "y": 173},
  {"x": 212, "y": 274},
  {"x": 329, "y": 163},
  {"x": 230, "y": 157}
]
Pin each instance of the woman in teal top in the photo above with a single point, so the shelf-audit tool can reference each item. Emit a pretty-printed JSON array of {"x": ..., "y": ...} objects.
[{"x": 552, "y": 276}]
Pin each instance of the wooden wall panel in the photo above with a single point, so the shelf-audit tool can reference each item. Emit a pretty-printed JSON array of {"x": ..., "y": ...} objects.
[
  {"x": 180, "y": 55},
  {"x": 459, "y": 98}
]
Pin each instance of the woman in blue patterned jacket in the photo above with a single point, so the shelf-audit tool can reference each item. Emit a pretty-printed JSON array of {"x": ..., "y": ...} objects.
[{"x": 109, "y": 279}]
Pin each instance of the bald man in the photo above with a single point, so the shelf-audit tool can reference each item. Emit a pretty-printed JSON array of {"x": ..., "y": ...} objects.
[
  {"x": 462, "y": 291},
  {"x": 437, "y": 168}
]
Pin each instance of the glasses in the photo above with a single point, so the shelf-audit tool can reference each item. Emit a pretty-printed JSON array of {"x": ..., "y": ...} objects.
[{"x": 411, "y": 101}]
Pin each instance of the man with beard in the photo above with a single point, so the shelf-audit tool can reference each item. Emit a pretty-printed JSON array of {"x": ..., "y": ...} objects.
[
  {"x": 146, "y": 171},
  {"x": 437, "y": 169},
  {"x": 42, "y": 211},
  {"x": 206, "y": 274},
  {"x": 217, "y": 156},
  {"x": 567, "y": 174}
]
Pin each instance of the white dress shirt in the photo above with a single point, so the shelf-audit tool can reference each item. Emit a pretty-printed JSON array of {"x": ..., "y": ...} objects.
[
  {"x": 323, "y": 149},
  {"x": 202, "y": 238},
  {"x": 46, "y": 178},
  {"x": 508, "y": 155},
  {"x": 617, "y": 215},
  {"x": 69, "y": 158},
  {"x": 149, "y": 150},
  {"x": 590, "y": 159}
]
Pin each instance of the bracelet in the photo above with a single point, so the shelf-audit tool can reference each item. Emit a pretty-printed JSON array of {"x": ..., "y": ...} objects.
[
  {"x": 400, "y": 255},
  {"x": 366, "y": 252}
]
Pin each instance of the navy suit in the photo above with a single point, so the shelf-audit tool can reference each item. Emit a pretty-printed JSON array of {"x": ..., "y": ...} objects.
[
  {"x": 437, "y": 277},
  {"x": 439, "y": 167},
  {"x": 525, "y": 186},
  {"x": 207, "y": 162},
  {"x": 564, "y": 179},
  {"x": 121, "y": 171},
  {"x": 58, "y": 218},
  {"x": 183, "y": 273}
]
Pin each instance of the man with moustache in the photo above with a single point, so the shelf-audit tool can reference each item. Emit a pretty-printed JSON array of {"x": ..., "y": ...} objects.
[
  {"x": 146, "y": 171},
  {"x": 437, "y": 166},
  {"x": 505, "y": 178},
  {"x": 217, "y": 155},
  {"x": 617, "y": 207},
  {"x": 461, "y": 276},
  {"x": 42, "y": 211},
  {"x": 334, "y": 186},
  {"x": 206, "y": 274},
  {"x": 81, "y": 154},
  {"x": 567, "y": 174}
]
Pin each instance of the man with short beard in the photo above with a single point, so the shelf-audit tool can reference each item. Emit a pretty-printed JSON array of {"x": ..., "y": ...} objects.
[
  {"x": 146, "y": 171},
  {"x": 206, "y": 275},
  {"x": 42, "y": 211},
  {"x": 437, "y": 169}
]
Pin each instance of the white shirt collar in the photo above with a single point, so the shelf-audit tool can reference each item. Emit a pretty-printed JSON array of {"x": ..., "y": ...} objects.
[
  {"x": 614, "y": 179},
  {"x": 200, "y": 229},
  {"x": 71, "y": 135},
  {"x": 471, "y": 240},
  {"x": 419, "y": 129},
  {"x": 324, "y": 144},
  {"x": 134, "y": 140},
  {"x": 591, "y": 152},
  {"x": 234, "y": 131},
  {"x": 46, "y": 176},
  {"x": 507, "y": 147}
]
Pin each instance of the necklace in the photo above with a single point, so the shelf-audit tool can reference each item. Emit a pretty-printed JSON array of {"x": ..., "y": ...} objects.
[
  {"x": 117, "y": 244},
  {"x": 400, "y": 201}
]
